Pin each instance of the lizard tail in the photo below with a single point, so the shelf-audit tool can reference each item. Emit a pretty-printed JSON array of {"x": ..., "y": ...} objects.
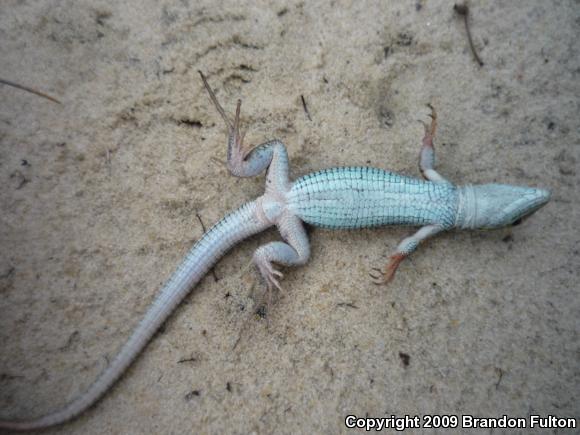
[{"x": 233, "y": 228}]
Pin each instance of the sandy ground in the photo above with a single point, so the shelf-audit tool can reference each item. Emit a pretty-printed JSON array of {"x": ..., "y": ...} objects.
[{"x": 99, "y": 197}]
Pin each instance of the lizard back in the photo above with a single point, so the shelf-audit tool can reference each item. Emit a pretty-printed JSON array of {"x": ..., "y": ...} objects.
[{"x": 360, "y": 197}]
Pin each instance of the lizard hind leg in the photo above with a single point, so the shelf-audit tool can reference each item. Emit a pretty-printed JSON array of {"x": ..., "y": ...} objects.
[
  {"x": 245, "y": 161},
  {"x": 295, "y": 252}
]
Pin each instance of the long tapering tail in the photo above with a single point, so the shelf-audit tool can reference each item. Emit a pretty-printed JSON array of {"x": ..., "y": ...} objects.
[{"x": 233, "y": 228}]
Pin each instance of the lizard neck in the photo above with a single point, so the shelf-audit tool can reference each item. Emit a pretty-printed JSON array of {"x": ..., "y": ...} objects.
[{"x": 466, "y": 207}]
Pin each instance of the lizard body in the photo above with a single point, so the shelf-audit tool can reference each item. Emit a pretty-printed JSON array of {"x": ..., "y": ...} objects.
[
  {"x": 363, "y": 197},
  {"x": 341, "y": 198}
]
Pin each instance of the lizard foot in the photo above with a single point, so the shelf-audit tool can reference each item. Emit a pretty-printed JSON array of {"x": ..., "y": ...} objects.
[
  {"x": 236, "y": 150},
  {"x": 386, "y": 275}
]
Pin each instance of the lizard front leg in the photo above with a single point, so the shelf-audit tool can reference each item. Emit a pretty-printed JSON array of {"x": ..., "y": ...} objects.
[
  {"x": 406, "y": 247},
  {"x": 295, "y": 252}
]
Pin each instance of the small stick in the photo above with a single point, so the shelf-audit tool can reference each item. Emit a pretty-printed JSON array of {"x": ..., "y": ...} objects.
[
  {"x": 203, "y": 228},
  {"x": 305, "y": 107},
  {"x": 347, "y": 304},
  {"x": 463, "y": 10},
  {"x": 32, "y": 91}
]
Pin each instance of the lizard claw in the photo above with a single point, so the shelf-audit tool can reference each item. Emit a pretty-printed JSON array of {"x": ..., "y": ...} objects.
[
  {"x": 430, "y": 131},
  {"x": 271, "y": 276},
  {"x": 238, "y": 136},
  {"x": 382, "y": 277},
  {"x": 430, "y": 128},
  {"x": 376, "y": 275},
  {"x": 386, "y": 275}
]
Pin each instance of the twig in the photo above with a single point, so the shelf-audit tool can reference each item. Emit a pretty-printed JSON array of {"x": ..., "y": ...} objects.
[
  {"x": 32, "y": 91},
  {"x": 305, "y": 107},
  {"x": 347, "y": 304},
  {"x": 463, "y": 10},
  {"x": 500, "y": 372}
]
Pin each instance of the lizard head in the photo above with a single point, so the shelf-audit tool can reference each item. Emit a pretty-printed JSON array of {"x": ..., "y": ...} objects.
[{"x": 489, "y": 206}]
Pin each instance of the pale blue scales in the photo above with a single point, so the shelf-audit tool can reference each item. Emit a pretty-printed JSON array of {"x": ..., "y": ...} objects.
[{"x": 360, "y": 197}]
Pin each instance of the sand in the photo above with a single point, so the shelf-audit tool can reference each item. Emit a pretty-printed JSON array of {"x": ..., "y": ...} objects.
[{"x": 100, "y": 194}]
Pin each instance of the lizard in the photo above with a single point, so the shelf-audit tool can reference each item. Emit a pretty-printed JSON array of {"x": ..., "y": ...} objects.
[{"x": 336, "y": 198}]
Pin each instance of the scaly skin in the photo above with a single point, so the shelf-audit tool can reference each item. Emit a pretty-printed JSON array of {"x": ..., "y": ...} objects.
[
  {"x": 362, "y": 197},
  {"x": 340, "y": 198}
]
